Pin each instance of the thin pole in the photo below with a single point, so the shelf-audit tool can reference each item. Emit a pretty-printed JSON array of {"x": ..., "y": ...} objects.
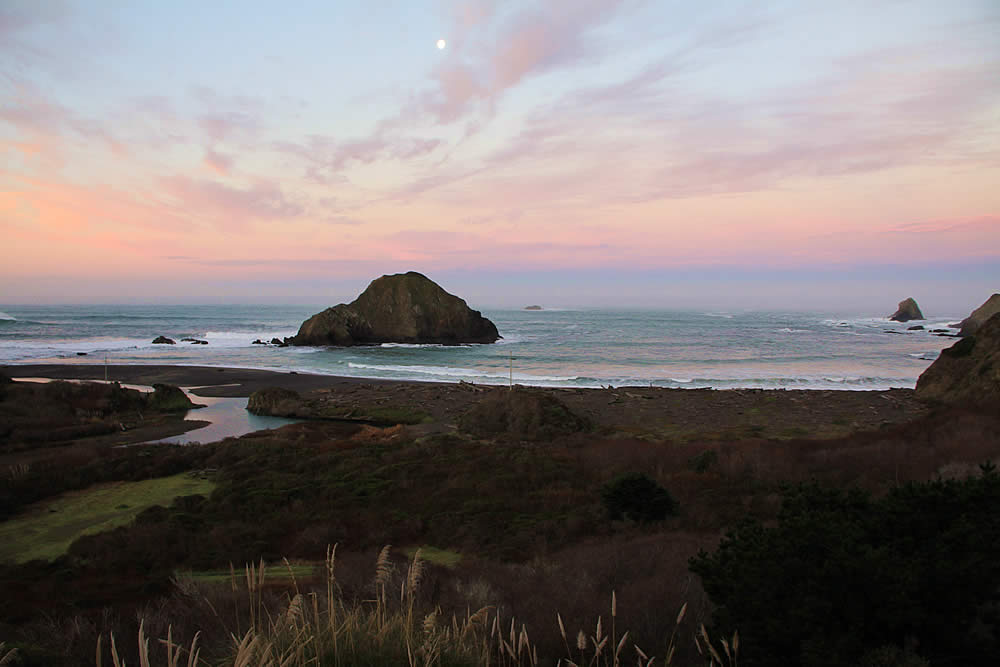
[
  {"x": 512, "y": 371},
  {"x": 105, "y": 368}
]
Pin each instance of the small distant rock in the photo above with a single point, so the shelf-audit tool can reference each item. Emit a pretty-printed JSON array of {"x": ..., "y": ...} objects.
[
  {"x": 907, "y": 310},
  {"x": 970, "y": 324},
  {"x": 278, "y": 342},
  {"x": 258, "y": 342},
  {"x": 163, "y": 340},
  {"x": 81, "y": 354},
  {"x": 533, "y": 308},
  {"x": 968, "y": 372},
  {"x": 195, "y": 341},
  {"x": 918, "y": 327}
]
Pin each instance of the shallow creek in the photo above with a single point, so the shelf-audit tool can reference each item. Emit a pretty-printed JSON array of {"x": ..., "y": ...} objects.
[{"x": 228, "y": 417}]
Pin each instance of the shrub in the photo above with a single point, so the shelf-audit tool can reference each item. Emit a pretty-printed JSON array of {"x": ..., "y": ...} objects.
[
  {"x": 637, "y": 497},
  {"x": 841, "y": 575}
]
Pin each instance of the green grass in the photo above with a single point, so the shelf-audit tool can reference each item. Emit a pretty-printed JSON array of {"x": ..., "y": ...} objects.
[
  {"x": 46, "y": 529},
  {"x": 434, "y": 555}
]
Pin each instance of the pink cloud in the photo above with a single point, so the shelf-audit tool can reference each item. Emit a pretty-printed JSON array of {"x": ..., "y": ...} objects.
[
  {"x": 529, "y": 42},
  {"x": 326, "y": 157},
  {"x": 220, "y": 126},
  {"x": 229, "y": 206},
  {"x": 218, "y": 162}
]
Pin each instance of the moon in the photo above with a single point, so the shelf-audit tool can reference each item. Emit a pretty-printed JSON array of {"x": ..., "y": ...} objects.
[{"x": 441, "y": 43}]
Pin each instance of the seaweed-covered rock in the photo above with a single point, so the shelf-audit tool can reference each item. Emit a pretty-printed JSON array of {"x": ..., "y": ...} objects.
[
  {"x": 907, "y": 310},
  {"x": 975, "y": 320},
  {"x": 525, "y": 414},
  {"x": 274, "y": 401},
  {"x": 968, "y": 372},
  {"x": 401, "y": 308}
]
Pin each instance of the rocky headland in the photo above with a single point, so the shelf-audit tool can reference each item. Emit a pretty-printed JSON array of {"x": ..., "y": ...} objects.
[
  {"x": 971, "y": 324},
  {"x": 400, "y": 308},
  {"x": 968, "y": 372}
]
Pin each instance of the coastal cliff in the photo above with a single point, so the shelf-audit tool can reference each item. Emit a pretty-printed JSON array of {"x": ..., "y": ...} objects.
[
  {"x": 968, "y": 372},
  {"x": 976, "y": 319}
]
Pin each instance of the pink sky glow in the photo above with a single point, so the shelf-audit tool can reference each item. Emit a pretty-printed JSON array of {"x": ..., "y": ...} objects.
[{"x": 146, "y": 151}]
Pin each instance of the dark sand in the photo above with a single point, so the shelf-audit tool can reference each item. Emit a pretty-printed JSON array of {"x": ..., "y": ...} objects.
[
  {"x": 654, "y": 413},
  {"x": 213, "y": 381}
]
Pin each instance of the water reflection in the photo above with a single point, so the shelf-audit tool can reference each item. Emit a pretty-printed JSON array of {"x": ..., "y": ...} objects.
[{"x": 229, "y": 419}]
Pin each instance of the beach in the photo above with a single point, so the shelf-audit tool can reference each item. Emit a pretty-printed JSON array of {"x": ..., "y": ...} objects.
[{"x": 679, "y": 414}]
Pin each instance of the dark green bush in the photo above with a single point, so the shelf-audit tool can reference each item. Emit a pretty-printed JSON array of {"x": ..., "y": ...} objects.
[
  {"x": 841, "y": 575},
  {"x": 635, "y": 496}
]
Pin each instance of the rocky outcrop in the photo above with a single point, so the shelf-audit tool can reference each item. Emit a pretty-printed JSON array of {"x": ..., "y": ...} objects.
[
  {"x": 168, "y": 398},
  {"x": 968, "y": 372},
  {"x": 163, "y": 340},
  {"x": 971, "y": 323},
  {"x": 401, "y": 308},
  {"x": 525, "y": 414},
  {"x": 907, "y": 310},
  {"x": 274, "y": 401}
]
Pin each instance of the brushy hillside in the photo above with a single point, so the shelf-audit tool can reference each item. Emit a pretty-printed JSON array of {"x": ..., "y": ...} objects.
[{"x": 527, "y": 518}]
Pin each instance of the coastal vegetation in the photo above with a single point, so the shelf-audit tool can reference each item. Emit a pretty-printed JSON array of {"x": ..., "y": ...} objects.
[
  {"x": 539, "y": 530},
  {"x": 46, "y": 529}
]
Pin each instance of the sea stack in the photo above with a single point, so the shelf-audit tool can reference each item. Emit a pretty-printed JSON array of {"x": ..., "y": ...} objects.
[
  {"x": 968, "y": 372},
  {"x": 401, "y": 308},
  {"x": 972, "y": 323},
  {"x": 907, "y": 310}
]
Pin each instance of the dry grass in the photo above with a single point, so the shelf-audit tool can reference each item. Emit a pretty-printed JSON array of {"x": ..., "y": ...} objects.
[
  {"x": 7, "y": 657},
  {"x": 321, "y": 627}
]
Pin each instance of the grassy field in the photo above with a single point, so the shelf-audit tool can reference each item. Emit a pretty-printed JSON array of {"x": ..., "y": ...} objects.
[
  {"x": 434, "y": 555},
  {"x": 46, "y": 529}
]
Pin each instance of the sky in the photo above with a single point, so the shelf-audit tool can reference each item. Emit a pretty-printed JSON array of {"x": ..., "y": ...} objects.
[{"x": 801, "y": 155}]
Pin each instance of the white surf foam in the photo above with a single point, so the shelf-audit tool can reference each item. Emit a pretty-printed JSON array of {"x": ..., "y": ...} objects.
[
  {"x": 448, "y": 371},
  {"x": 5, "y": 316},
  {"x": 241, "y": 338}
]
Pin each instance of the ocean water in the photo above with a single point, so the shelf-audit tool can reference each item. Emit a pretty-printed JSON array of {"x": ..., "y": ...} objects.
[{"x": 567, "y": 348}]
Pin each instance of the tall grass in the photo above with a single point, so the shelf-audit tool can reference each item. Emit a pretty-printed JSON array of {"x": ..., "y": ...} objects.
[{"x": 321, "y": 628}]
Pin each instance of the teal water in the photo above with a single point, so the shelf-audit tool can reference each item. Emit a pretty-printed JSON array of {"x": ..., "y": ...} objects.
[{"x": 582, "y": 348}]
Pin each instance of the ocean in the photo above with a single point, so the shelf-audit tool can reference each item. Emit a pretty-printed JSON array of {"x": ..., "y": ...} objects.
[{"x": 556, "y": 348}]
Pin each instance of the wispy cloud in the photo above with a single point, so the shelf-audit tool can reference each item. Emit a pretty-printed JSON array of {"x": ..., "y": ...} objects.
[
  {"x": 227, "y": 206},
  {"x": 218, "y": 162}
]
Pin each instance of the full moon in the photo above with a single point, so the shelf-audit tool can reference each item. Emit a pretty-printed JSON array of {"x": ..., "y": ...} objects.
[{"x": 441, "y": 44}]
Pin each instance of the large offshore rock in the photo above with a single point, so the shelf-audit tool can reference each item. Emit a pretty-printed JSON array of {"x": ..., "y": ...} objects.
[
  {"x": 401, "y": 308},
  {"x": 907, "y": 310}
]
